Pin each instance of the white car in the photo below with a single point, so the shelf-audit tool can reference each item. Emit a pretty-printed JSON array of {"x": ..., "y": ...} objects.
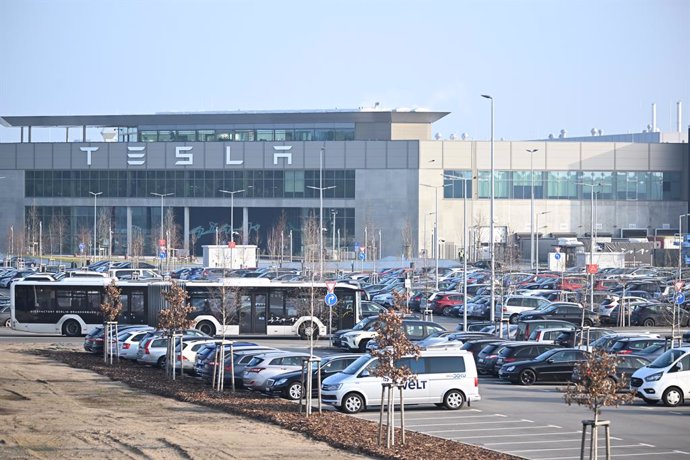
[
  {"x": 666, "y": 379},
  {"x": 190, "y": 349},
  {"x": 266, "y": 365},
  {"x": 128, "y": 342},
  {"x": 547, "y": 335}
]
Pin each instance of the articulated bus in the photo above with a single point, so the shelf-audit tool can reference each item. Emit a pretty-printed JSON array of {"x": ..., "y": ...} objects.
[{"x": 236, "y": 306}]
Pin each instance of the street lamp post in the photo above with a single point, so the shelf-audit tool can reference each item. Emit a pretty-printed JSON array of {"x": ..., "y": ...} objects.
[
  {"x": 676, "y": 306},
  {"x": 95, "y": 197},
  {"x": 162, "y": 196},
  {"x": 543, "y": 213},
  {"x": 333, "y": 214},
  {"x": 491, "y": 215},
  {"x": 435, "y": 238},
  {"x": 232, "y": 219},
  {"x": 531, "y": 212}
]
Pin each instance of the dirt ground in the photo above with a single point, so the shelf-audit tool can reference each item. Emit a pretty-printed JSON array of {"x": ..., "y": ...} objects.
[{"x": 51, "y": 411}]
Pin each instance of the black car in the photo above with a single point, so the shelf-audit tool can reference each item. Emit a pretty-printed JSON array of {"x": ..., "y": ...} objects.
[
  {"x": 551, "y": 366},
  {"x": 658, "y": 314},
  {"x": 632, "y": 345},
  {"x": 475, "y": 346},
  {"x": 93, "y": 341},
  {"x": 289, "y": 385},
  {"x": 520, "y": 351},
  {"x": 564, "y": 312},
  {"x": 487, "y": 357},
  {"x": 627, "y": 365},
  {"x": 569, "y": 339}
]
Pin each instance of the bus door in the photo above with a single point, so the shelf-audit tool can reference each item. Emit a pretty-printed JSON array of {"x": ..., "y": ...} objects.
[
  {"x": 344, "y": 314},
  {"x": 253, "y": 313},
  {"x": 133, "y": 306}
]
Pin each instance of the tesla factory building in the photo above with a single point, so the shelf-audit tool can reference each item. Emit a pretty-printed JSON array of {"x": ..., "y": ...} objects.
[{"x": 379, "y": 177}]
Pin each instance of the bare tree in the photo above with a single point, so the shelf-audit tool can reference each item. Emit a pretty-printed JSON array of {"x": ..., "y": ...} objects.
[
  {"x": 597, "y": 388},
  {"x": 32, "y": 224},
  {"x": 172, "y": 229},
  {"x": 174, "y": 319},
  {"x": 104, "y": 226},
  {"x": 310, "y": 243},
  {"x": 406, "y": 234},
  {"x": 84, "y": 236},
  {"x": 58, "y": 229},
  {"x": 275, "y": 242},
  {"x": 137, "y": 249},
  {"x": 393, "y": 346},
  {"x": 193, "y": 238},
  {"x": 111, "y": 309}
]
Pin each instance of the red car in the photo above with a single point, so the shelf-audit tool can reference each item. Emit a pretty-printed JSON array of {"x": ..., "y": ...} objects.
[{"x": 442, "y": 304}]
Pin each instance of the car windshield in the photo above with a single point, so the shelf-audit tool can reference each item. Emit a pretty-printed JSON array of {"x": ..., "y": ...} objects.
[
  {"x": 364, "y": 323},
  {"x": 357, "y": 365},
  {"x": 666, "y": 359},
  {"x": 652, "y": 348},
  {"x": 544, "y": 356}
]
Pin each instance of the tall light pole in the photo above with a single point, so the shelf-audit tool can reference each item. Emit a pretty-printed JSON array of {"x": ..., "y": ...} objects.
[
  {"x": 160, "y": 238},
  {"x": 232, "y": 218},
  {"x": 333, "y": 214},
  {"x": 676, "y": 306},
  {"x": 591, "y": 241},
  {"x": 543, "y": 213},
  {"x": 321, "y": 189},
  {"x": 531, "y": 211},
  {"x": 435, "y": 239},
  {"x": 464, "y": 246},
  {"x": 95, "y": 197},
  {"x": 491, "y": 216}
]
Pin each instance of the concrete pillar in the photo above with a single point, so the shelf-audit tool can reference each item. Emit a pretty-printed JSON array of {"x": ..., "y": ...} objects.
[
  {"x": 186, "y": 230},
  {"x": 129, "y": 231},
  {"x": 245, "y": 225}
]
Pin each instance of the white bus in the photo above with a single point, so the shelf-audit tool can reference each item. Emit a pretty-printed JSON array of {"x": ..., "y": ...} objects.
[{"x": 252, "y": 306}]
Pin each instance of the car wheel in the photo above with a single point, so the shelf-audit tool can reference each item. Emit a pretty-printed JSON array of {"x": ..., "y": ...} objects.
[
  {"x": 454, "y": 400},
  {"x": 446, "y": 311},
  {"x": 672, "y": 397},
  {"x": 308, "y": 329},
  {"x": 352, "y": 403},
  {"x": 161, "y": 362},
  {"x": 649, "y": 322},
  {"x": 8, "y": 322},
  {"x": 527, "y": 377},
  {"x": 362, "y": 347},
  {"x": 609, "y": 383},
  {"x": 294, "y": 391},
  {"x": 207, "y": 328},
  {"x": 513, "y": 319},
  {"x": 71, "y": 328},
  {"x": 588, "y": 322}
]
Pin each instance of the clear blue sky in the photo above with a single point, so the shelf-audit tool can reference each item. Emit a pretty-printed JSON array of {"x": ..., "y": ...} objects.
[{"x": 550, "y": 64}]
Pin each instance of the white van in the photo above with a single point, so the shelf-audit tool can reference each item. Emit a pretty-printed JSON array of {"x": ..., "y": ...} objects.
[
  {"x": 445, "y": 377},
  {"x": 666, "y": 379}
]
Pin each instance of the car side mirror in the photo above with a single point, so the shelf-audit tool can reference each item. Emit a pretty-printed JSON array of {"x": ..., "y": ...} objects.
[{"x": 550, "y": 361}]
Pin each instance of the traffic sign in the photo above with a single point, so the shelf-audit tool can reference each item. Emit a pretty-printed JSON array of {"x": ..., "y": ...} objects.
[
  {"x": 162, "y": 255},
  {"x": 232, "y": 244},
  {"x": 680, "y": 298},
  {"x": 557, "y": 256},
  {"x": 81, "y": 247},
  {"x": 679, "y": 285},
  {"x": 330, "y": 285},
  {"x": 362, "y": 255},
  {"x": 161, "y": 242},
  {"x": 330, "y": 299},
  {"x": 592, "y": 269}
]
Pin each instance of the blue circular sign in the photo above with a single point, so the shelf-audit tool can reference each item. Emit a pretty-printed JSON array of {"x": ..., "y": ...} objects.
[
  {"x": 680, "y": 298},
  {"x": 330, "y": 299},
  {"x": 362, "y": 255},
  {"x": 162, "y": 255},
  {"x": 81, "y": 247},
  {"x": 557, "y": 256}
]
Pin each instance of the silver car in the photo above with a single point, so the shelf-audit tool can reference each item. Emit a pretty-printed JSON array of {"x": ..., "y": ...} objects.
[
  {"x": 264, "y": 366},
  {"x": 128, "y": 342},
  {"x": 152, "y": 350}
]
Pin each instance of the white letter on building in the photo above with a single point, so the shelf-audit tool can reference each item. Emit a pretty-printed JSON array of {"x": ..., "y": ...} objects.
[
  {"x": 282, "y": 151},
  {"x": 228, "y": 161},
  {"x": 136, "y": 159},
  {"x": 88, "y": 151},
  {"x": 186, "y": 158}
]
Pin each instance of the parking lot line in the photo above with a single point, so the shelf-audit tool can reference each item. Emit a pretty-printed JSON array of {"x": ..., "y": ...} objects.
[
  {"x": 515, "y": 435},
  {"x": 677, "y": 452},
  {"x": 603, "y": 446},
  {"x": 539, "y": 442},
  {"x": 495, "y": 429},
  {"x": 469, "y": 423}
]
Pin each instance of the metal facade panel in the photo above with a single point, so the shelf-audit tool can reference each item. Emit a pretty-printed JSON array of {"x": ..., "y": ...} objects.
[
  {"x": 396, "y": 156},
  {"x": 62, "y": 159},
  {"x": 254, "y": 155},
  {"x": 632, "y": 157},
  {"x": 355, "y": 154},
  {"x": 667, "y": 157},
  {"x": 431, "y": 154},
  {"x": 236, "y": 153},
  {"x": 43, "y": 154},
  {"x": 521, "y": 159},
  {"x": 376, "y": 154},
  {"x": 25, "y": 156},
  {"x": 334, "y": 155},
  {"x": 117, "y": 155},
  {"x": 213, "y": 154},
  {"x": 501, "y": 155},
  {"x": 562, "y": 156},
  {"x": 457, "y": 154},
  {"x": 598, "y": 156},
  {"x": 413, "y": 159},
  {"x": 157, "y": 156},
  {"x": 8, "y": 156}
]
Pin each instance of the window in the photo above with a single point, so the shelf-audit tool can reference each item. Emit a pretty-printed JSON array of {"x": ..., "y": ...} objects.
[
  {"x": 561, "y": 185},
  {"x": 414, "y": 331},
  {"x": 457, "y": 184},
  {"x": 501, "y": 184},
  {"x": 444, "y": 364},
  {"x": 416, "y": 366}
]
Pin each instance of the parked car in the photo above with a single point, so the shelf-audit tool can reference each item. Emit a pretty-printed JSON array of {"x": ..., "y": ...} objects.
[
  {"x": 289, "y": 384},
  {"x": 128, "y": 342},
  {"x": 475, "y": 346},
  {"x": 442, "y": 304},
  {"x": 631, "y": 345},
  {"x": 626, "y": 367},
  {"x": 264, "y": 366},
  {"x": 658, "y": 314},
  {"x": 519, "y": 351},
  {"x": 153, "y": 350},
  {"x": 370, "y": 308},
  {"x": 572, "y": 338},
  {"x": 525, "y": 328},
  {"x": 546, "y": 335},
  {"x": 513, "y": 305},
  {"x": 666, "y": 379},
  {"x": 414, "y": 329},
  {"x": 571, "y": 312},
  {"x": 551, "y": 366},
  {"x": 486, "y": 359},
  {"x": 5, "y": 316}
]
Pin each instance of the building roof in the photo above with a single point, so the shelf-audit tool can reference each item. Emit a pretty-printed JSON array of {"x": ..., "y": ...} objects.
[{"x": 222, "y": 118}]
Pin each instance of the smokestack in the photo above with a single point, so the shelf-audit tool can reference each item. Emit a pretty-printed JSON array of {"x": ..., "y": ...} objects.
[
  {"x": 653, "y": 118},
  {"x": 679, "y": 116}
]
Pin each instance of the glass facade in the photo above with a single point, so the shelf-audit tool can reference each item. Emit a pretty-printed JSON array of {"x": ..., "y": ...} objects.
[
  {"x": 457, "y": 184},
  {"x": 574, "y": 185},
  {"x": 239, "y": 135},
  {"x": 189, "y": 184}
]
